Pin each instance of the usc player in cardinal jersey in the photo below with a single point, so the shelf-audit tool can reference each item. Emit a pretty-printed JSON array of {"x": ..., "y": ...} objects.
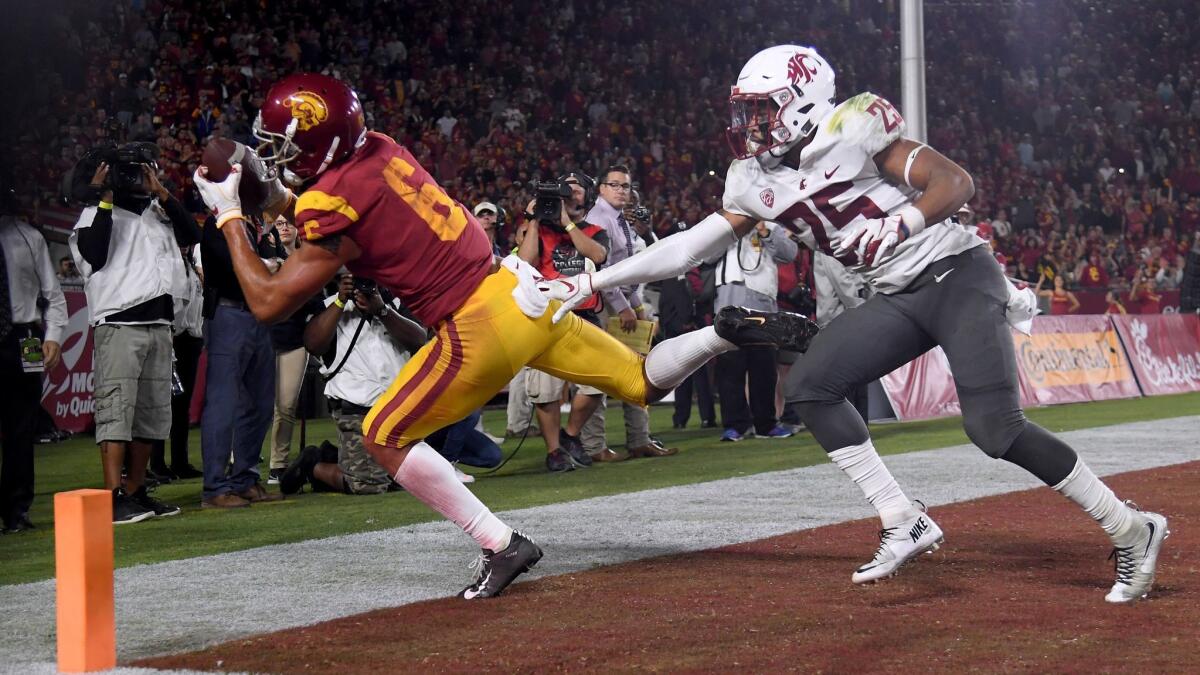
[{"x": 368, "y": 205}]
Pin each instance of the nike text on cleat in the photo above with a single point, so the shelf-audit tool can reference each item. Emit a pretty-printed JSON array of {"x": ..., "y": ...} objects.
[
  {"x": 494, "y": 571},
  {"x": 1135, "y": 564},
  {"x": 752, "y": 328},
  {"x": 898, "y": 545}
]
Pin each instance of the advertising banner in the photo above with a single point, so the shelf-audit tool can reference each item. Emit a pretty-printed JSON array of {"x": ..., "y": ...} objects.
[
  {"x": 922, "y": 388},
  {"x": 67, "y": 389},
  {"x": 1164, "y": 350},
  {"x": 1070, "y": 359}
]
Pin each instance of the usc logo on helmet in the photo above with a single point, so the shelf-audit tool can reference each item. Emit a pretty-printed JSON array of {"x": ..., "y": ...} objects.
[{"x": 308, "y": 108}]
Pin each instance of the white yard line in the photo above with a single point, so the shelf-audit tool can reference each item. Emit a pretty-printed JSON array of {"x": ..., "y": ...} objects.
[{"x": 187, "y": 604}]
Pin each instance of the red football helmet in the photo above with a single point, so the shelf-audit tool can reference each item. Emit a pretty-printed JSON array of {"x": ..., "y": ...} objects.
[{"x": 307, "y": 123}]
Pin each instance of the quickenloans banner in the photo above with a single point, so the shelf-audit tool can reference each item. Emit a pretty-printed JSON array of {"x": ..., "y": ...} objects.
[{"x": 67, "y": 390}]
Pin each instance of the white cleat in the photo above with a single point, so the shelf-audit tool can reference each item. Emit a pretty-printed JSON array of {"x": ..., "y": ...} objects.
[
  {"x": 898, "y": 545},
  {"x": 1135, "y": 563}
]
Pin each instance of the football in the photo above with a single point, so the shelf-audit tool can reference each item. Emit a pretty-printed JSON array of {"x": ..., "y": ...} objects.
[{"x": 218, "y": 158}]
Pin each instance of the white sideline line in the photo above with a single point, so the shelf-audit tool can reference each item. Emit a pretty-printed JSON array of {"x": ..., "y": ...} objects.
[{"x": 188, "y": 604}]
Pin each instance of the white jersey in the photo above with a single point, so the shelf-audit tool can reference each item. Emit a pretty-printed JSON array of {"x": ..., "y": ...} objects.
[{"x": 838, "y": 183}]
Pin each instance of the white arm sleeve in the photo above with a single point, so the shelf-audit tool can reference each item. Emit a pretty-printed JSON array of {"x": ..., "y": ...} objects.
[{"x": 671, "y": 256}]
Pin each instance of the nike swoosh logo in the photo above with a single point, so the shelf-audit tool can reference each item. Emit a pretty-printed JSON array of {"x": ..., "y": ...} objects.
[
  {"x": 472, "y": 594},
  {"x": 757, "y": 319},
  {"x": 570, "y": 287},
  {"x": 1150, "y": 542},
  {"x": 937, "y": 278},
  {"x": 832, "y": 171}
]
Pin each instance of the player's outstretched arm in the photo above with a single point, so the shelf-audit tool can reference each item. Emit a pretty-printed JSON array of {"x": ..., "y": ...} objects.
[
  {"x": 666, "y": 258},
  {"x": 944, "y": 185}
]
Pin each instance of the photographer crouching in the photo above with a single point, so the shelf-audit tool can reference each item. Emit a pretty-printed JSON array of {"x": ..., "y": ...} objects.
[
  {"x": 126, "y": 245},
  {"x": 363, "y": 344},
  {"x": 557, "y": 241}
]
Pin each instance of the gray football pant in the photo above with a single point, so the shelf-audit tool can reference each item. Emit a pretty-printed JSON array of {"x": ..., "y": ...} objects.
[{"x": 956, "y": 302}]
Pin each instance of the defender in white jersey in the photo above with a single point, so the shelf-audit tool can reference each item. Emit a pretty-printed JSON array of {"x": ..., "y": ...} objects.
[{"x": 848, "y": 183}]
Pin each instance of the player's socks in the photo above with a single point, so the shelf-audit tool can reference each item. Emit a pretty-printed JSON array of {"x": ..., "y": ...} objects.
[
  {"x": 1085, "y": 489},
  {"x": 670, "y": 363},
  {"x": 862, "y": 464},
  {"x": 430, "y": 478}
]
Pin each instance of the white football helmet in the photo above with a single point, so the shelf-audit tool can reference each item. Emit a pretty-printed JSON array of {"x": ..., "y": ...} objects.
[{"x": 780, "y": 97}]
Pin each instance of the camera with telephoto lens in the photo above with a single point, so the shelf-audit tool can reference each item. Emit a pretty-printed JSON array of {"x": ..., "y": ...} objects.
[
  {"x": 365, "y": 286},
  {"x": 125, "y": 165},
  {"x": 549, "y": 199},
  {"x": 641, "y": 214}
]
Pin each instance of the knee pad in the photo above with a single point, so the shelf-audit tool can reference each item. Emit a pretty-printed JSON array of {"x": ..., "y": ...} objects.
[{"x": 994, "y": 432}]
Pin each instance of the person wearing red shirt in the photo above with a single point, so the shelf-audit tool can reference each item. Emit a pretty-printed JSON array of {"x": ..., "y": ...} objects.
[
  {"x": 1062, "y": 301},
  {"x": 1093, "y": 274}
]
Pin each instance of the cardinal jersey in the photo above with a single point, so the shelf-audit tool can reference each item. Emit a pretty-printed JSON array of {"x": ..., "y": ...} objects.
[
  {"x": 836, "y": 184},
  {"x": 415, "y": 240}
]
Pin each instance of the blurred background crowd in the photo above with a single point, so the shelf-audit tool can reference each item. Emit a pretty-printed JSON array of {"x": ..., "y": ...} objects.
[{"x": 1081, "y": 160}]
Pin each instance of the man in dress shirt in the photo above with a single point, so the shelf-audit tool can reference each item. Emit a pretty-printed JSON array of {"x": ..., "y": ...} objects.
[
  {"x": 625, "y": 302},
  {"x": 26, "y": 350}
]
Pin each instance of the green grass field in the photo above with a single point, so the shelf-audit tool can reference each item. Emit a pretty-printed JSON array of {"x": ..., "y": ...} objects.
[{"x": 521, "y": 483}]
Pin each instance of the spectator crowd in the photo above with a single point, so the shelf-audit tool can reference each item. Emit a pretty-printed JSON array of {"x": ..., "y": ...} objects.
[{"x": 1075, "y": 154}]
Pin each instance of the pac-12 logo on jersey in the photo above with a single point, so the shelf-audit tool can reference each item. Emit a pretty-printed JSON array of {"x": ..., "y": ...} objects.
[
  {"x": 797, "y": 69},
  {"x": 768, "y": 197}
]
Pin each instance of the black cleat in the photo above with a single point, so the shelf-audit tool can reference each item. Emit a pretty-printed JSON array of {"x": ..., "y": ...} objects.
[
  {"x": 574, "y": 449},
  {"x": 753, "y": 328},
  {"x": 293, "y": 478},
  {"x": 496, "y": 570},
  {"x": 559, "y": 461},
  {"x": 160, "y": 509}
]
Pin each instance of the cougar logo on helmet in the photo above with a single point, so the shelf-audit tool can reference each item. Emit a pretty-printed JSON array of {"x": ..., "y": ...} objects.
[
  {"x": 308, "y": 108},
  {"x": 797, "y": 68}
]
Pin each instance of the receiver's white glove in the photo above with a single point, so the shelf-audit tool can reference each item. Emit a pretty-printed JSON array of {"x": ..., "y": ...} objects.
[{"x": 221, "y": 198}]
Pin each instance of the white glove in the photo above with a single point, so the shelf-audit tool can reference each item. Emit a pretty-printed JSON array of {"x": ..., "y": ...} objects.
[
  {"x": 221, "y": 198},
  {"x": 528, "y": 295},
  {"x": 571, "y": 291},
  {"x": 873, "y": 240},
  {"x": 1022, "y": 306}
]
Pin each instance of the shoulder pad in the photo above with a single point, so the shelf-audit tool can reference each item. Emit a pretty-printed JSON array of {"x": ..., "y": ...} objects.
[
  {"x": 740, "y": 189},
  {"x": 867, "y": 121}
]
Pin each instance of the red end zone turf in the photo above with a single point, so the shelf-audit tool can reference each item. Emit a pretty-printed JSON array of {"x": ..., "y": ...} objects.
[{"x": 1019, "y": 585}]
